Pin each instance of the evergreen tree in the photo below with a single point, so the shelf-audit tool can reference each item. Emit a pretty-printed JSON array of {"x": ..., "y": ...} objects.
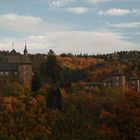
[
  {"x": 50, "y": 98},
  {"x": 54, "y": 98},
  {"x": 58, "y": 97},
  {"x": 51, "y": 68},
  {"x": 36, "y": 82}
]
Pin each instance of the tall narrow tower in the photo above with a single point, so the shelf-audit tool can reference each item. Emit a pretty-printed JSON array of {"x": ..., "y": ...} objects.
[
  {"x": 25, "y": 67},
  {"x": 25, "y": 49}
]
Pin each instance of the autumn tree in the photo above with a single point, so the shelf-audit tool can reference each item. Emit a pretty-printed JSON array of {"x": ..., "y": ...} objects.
[{"x": 13, "y": 89}]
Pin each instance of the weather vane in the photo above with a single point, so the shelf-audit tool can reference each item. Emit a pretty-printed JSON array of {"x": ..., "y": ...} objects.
[
  {"x": 13, "y": 45},
  {"x": 25, "y": 43}
]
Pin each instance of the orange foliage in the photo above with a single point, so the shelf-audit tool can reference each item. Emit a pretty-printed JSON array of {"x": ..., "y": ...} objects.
[{"x": 74, "y": 62}]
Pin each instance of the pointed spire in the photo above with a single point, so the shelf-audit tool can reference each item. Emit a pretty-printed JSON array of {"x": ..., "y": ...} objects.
[{"x": 25, "y": 49}]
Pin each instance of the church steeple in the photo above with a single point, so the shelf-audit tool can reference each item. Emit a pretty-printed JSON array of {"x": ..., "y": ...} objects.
[{"x": 25, "y": 49}]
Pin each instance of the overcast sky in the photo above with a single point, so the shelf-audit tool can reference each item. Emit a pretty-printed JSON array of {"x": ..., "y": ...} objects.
[{"x": 76, "y": 26}]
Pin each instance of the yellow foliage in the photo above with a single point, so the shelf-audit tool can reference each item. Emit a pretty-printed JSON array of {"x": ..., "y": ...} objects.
[
  {"x": 27, "y": 86},
  {"x": 33, "y": 102}
]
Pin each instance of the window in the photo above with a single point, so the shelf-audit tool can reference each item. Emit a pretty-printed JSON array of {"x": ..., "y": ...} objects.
[
  {"x": 15, "y": 73},
  {"x": 6, "y": 73},
  {"x": 1, "y": 73}
]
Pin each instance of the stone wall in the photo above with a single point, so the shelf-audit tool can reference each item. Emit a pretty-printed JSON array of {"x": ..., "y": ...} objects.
[{"x": 25, "y": 72}]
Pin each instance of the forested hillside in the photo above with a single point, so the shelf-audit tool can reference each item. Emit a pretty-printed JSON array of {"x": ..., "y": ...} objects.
[{"x": 57, "y": 106}]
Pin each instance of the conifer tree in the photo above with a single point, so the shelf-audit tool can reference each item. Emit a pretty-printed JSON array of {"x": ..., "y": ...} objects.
[
  {"x": 51, "y": 69},
  {"x": 36, "y": 82}
]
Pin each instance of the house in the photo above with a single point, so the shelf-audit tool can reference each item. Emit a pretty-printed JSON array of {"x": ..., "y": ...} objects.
[
  {"x": 17, "y": 68},
  {"x": 134, "y": 83},
  {"x": 117, "y": 79}
]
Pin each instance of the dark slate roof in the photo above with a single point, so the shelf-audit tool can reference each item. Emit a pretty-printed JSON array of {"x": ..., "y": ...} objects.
[
  {"x": 133, "y": 78},
  {"x": 94, "y": 84},
  {"x": 118, "y": 74},
  {"x": 8, "y": 66},
  {"x": 23, "y": 63},
  {"x": 13, "y": 52},
  {"x": 108, "y": 79}
]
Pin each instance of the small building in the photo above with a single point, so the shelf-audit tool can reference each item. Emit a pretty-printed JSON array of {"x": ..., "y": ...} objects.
[
  {"x": 134, "y": 83},
  {"x": 107, "y": 82},
  {"x": 118, "y": 79},
  {"x": 18, "y": 68}
]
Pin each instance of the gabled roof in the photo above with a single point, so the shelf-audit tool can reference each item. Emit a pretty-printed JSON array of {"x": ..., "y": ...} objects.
[
  {"x": 108, "y": 79},
  {"x": 13, "y": 52},
  {"x": 8, "y": 66},
  {"x": 94, "y": 84},
  {"x": 117, "y": 72},
  {"x": 133, "y": 78}
]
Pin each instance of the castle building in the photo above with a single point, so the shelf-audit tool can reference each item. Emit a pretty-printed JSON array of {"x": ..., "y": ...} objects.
[
  {"x": 134, "y": 83},
  {"x": 118, "y": 79},
  {"x": 17, "y": 68}
]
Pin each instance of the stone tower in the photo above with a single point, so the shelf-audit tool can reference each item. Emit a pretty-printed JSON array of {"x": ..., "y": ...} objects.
[
  {"x": 25, "y": 68},
  {"x": 118, "y": 79}
]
